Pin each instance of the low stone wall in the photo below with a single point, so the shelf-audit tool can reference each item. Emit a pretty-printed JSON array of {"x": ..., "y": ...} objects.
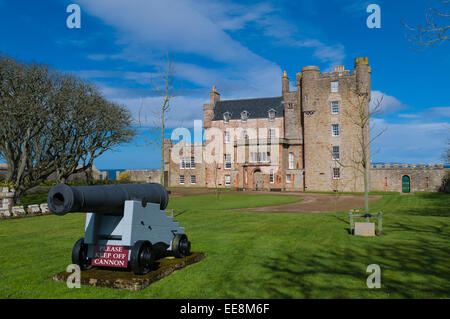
[
  {"x": 19, "y": 211},
  {"x": 6, "y": 201},
  {"x": 143, "y": 175},
  {"x": 423, "y": 178},
  {"x": 7, "y": 210}
]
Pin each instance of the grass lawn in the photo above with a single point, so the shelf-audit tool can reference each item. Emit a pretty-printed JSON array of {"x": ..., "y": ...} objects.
[{"x": 255, "y": 255}]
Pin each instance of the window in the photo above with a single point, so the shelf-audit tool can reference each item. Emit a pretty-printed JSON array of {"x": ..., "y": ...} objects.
[
  {"x": 227, "y": 180},
  {"x": 291, "y": 160},
  {"x": 335, "y": 107},
  {"x": 336, "y": 173},
  {"x": 272, "y": 179},
  {"x": 244, "y": 135},
  {"x": 272, "y": 113},
  {"x": 193, "y": 179},
  {"x": 334, "y": 86},
  {"x": 226, "y": 136},
  {"x": 181, "y": 179},
  {"x": 288, "y": 178},
  {"x": 226, "y": 117},
  {"x": 187, "y": 162},
  {"x": 260, "y": 157},
  {"x": 336, "y": 152},
  {"x": 271, "y": 133},
  {"x": 244, "y": 116},
  {"x": 335, "y": 129},
  {"x": 227, "y": 161}
]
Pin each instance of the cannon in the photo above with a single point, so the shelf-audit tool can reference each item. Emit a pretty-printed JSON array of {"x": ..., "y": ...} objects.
[{"x": 126, "y": 225}]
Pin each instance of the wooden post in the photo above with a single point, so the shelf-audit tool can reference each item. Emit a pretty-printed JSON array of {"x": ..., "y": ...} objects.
[
  {"x": 350, "y": 215},
  {"x": 380, "y": 223}
]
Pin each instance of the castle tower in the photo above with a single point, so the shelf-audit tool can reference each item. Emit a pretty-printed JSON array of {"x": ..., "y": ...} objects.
[{"x": 330, "y": 137}]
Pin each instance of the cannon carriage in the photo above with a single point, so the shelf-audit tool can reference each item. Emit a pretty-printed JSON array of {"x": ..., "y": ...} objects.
[{"x": 126, "y": 225}]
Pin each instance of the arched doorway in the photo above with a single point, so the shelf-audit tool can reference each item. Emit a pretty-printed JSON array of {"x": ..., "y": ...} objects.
[
  {"x": 257, "y": 180},
  {"x": 406, "y": 184}
]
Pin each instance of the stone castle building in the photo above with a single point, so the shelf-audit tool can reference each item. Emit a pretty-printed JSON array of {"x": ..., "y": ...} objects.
[{"x": 303, "y": 140}]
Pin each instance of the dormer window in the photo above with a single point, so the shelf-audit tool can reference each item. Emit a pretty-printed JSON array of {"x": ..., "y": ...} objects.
[
  {"x": 272, "y": 113},
  {"x": 244, "y": 116},
  {"x": 226, "y": 117}
]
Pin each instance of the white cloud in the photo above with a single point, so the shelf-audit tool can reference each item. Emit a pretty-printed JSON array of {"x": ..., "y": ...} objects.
[
  {"x": 432, "y": 113},
  {"x": 137, "y": 77},
  {"x": 440, "y": 111},
  {"x": 388, "y": 103},
  {"x": 183, "y": 110},
  {"x": 148, "y": 28},
  {"x": 413, "y": 142}
]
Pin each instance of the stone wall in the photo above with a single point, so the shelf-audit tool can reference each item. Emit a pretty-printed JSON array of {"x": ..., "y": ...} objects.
[
  {"x": 423, "y": 178},
  {"x": 144, "y": 175}
]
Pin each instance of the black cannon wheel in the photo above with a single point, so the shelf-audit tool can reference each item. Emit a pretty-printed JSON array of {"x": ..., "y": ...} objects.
[
  {"x": 141, "y": 257},
  {"x": 181, "y": 246},
  {"x": 80, "y": 255}
]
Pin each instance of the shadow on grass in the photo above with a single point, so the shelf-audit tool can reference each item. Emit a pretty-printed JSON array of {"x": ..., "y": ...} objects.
[
  {"x": 409, "y": 269},
  {"x": 432, "y": 204}
]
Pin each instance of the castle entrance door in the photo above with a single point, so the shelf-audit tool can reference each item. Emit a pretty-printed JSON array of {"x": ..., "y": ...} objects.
[
  {"x": 405, "y": 184},
  {"x": 257, "y": 180}
]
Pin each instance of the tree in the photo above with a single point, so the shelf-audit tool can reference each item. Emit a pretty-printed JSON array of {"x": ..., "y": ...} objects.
[
  {"x": 359, "y": 114},
  {"x": 165, "y": 90},
  {"x": 124, "y": 177},
  {"x": 434, "y": 32},
  {"x": 53, "y": 123}
]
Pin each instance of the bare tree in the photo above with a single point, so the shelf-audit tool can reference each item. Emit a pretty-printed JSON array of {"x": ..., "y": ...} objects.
[
  {"x": 359, "y": 114},
  {"x": 84, "y": 126},
  {"x": 53, "y": 123},
  {"x": 24, "y": 92},
  {"x": 434, "y": 32},
  {"x": 157, "y": 127}
]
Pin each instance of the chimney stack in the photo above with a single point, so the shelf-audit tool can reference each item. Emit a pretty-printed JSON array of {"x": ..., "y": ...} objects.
[
  {"x": 284, "y": 83},
  {"x": 214, "y": 96}
]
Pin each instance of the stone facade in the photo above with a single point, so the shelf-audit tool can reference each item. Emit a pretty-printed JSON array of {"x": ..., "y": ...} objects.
[{"x": 310, "y": 138}]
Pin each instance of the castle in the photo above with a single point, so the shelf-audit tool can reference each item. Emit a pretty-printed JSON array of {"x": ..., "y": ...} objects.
[{"x": 303, "y": 140}]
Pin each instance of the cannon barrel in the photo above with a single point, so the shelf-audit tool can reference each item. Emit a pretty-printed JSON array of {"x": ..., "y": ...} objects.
[{"x": 104, "y": 199}]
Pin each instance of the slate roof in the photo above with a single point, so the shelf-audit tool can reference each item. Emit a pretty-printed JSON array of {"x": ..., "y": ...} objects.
[{"x": 256, "y": 108}]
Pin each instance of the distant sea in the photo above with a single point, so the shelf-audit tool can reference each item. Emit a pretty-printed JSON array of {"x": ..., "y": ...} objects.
[{"x": 112, "y": 173}]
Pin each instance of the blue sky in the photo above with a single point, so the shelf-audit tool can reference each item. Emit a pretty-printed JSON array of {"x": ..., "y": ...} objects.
[{"x": 241, "y": 47}]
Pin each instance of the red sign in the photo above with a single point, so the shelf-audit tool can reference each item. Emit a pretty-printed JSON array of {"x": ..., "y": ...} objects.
[{"x": 110, "y": 256}]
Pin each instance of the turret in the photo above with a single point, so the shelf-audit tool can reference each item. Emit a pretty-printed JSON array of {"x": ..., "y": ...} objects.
[
  {"x": 309, "y": 73},
  {"x": 362, "y": 70},
  {"x": 308, "y": 76}
]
